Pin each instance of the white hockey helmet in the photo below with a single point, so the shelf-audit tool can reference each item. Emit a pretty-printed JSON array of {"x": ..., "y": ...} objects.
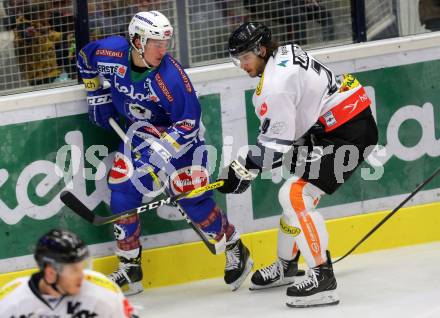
[{"x": 150, "y": 25}]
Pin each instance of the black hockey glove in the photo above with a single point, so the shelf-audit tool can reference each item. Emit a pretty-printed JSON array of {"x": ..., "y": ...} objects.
[{"x": 238, "y": 178}]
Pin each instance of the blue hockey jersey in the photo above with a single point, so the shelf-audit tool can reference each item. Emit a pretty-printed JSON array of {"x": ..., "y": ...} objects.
[{"x": 164, "y": 97}]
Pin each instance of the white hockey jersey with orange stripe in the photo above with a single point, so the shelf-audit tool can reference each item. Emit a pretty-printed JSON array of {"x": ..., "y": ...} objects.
[
  {"x": 295, "y": 91},
  {"x": 99, "y": 297}
]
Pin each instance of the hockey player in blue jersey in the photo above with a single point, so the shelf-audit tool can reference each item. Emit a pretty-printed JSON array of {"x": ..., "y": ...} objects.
[{"x": 150, "y": 90}]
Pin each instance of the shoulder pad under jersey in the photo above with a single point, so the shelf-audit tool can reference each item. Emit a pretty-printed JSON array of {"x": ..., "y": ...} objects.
[
  {"x": 11, "y": 286},
  {"x": 174, "y": 76},
  {"x": 113, "y": 49}
]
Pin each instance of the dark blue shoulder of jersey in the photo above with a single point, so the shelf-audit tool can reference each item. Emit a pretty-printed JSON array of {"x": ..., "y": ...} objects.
[
  {"x": 103, "y": 57},
  {"x": 180, "y": 99}
]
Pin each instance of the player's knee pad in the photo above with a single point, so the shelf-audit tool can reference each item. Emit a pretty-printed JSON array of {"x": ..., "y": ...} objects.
[
  {"x": 300, "y": 222},
  {"x": 297, "y": 195}
]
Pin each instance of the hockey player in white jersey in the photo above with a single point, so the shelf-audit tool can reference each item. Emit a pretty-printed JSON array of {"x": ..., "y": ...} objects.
[
  {"x": 63, "y": 288},
  {"x": 318, "y": 126}
]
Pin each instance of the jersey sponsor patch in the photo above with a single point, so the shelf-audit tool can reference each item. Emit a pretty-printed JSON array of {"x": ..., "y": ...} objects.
[
  {"x": 102, "y": 281},
  {"x": 111, "y": 53},
  {"x": 163, "y": 88},
  {"x": 330, "y": 120},
  {"x": 182, "y": 74},
  {"x": 134, "y": 93},
  {"x": 112, "y": 68},
  {"x": 8, "y": 289},
  {"x": 351, "y": 107},
  {"x": 107, "y": 68},
  {"x": 91, "y": 84},
  {"x": 263, "y": 109},
  {"x": 122, "y": 69},
  {"x": 346, "y": 110},
  {"x": 122, "y": 169},
  {"x": 260, "y": 85},
  {"x": 348, "y": 82},
  {"x": 189, "y": 178},
  {"x": 186, "y": 124}
]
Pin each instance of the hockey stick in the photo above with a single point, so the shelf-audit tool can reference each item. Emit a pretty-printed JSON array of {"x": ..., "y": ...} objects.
[
  {"x": 216, "y": 248},
  {"x": 71, "y": 201},
  {"x": 389, "y": 215}
]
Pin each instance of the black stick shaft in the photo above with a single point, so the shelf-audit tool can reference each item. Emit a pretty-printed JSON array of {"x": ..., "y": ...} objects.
[{"x": 389, "y": 215}]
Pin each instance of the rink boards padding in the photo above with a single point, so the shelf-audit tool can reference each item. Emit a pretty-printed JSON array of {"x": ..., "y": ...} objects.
[{"x": 44, "y": 134}]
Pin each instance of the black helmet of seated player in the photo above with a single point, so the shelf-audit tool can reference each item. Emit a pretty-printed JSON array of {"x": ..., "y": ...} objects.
[
  {"x": 59, "y": 247},
  {"x": 248, "y": 37}
]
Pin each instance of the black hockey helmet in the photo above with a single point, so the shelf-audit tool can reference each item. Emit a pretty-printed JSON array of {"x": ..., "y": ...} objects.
[
  {"x": 59, "y": 247},
  {"x": 247, "y": 37}
]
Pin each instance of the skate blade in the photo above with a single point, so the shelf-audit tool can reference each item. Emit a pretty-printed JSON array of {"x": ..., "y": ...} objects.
[
  {"x": 278, "y": 283},
  {"x": 247, "y": 269},
  {"x": 284, "y": 282},
  {"x": 133, "y": 289},
  {"x": 325, "y": 298}
]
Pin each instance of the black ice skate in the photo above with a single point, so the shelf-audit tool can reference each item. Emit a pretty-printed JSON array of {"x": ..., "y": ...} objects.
[
  {"x": 317, "y": 289},
  {"x": 238, "y": 264},
  {"x": 280, "y": 273},
  {"x": 129, "y": 274}
]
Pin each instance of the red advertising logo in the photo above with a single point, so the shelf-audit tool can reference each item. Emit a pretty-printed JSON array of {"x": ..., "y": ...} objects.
[
  {"x": 189, "y": 178},
  {"x": 104, "y": 52},
  {"x": 121, "y": 170},
  {"x": 263, "y": 109}
]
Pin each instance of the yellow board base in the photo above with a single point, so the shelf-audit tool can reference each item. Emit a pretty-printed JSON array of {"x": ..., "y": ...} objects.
[{"x": 192, "y": 261}]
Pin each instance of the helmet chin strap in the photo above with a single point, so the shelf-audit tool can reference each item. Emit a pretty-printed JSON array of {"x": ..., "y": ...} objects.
[
  {"x": 54, "y": 286},
  {"x": 141, "y": 55}
]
